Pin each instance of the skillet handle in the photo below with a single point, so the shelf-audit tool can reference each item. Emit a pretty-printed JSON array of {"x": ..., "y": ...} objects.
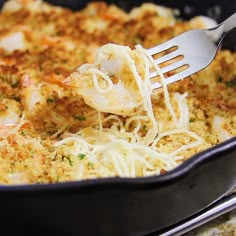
[{"x": 224, "y": 205}]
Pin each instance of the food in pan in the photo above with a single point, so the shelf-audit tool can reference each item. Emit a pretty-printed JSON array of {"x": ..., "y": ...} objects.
[{"x": 76, "y": 102}]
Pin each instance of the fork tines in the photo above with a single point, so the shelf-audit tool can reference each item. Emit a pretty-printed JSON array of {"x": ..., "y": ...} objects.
[{"x": 171, "y": 61}]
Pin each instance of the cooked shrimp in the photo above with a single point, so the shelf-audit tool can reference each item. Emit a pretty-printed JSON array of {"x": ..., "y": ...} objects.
[
  {"x": 5, "y": 130},
  {"x": 13, "y": 41},
  {"x": 9, "y": 112},
  {"x": 30, "y": 94},
  {"x": 219, "y": 129},
  {"x": 110, "y": 84}
]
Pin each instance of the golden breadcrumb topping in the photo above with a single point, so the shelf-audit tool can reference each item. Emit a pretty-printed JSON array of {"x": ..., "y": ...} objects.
[{"x": 50, "y": 133}]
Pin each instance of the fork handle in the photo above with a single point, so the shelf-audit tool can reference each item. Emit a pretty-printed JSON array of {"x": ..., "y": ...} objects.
[
  {"x": 229, "y": 23},
  {"x": 218, "y": 33}
]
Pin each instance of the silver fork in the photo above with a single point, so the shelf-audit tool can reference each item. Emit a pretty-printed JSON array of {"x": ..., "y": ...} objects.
[{"x": 197, "y": 47}]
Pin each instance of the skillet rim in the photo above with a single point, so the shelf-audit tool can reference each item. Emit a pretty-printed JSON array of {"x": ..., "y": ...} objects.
[{"x": 150, "y": 182}]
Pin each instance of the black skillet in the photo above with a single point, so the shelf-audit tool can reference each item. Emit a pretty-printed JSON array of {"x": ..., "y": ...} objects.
[{"x": 117, "y": 206}]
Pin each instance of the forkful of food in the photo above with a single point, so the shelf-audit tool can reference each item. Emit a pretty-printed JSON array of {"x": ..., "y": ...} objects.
[{"x": 121, "y": 79}]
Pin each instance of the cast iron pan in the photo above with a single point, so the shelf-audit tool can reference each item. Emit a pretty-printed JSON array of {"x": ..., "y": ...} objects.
[{"x": 120, "y": 206}]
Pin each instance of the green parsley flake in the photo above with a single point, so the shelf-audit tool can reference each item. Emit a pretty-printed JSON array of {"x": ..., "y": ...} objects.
[
  {"x": 145, "y": 128},
  {"x": 90, "y": 164},
  {"x": 191, "y": 120},
  {"x": 69, "y": 160},
  {"x": 50, "y": 100},
  {"x": 231, "y": 83},
  {"x": 23, "y": 133},
  {"x": 82, "y": 156},
  {"x": 80, "y": 118}
]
